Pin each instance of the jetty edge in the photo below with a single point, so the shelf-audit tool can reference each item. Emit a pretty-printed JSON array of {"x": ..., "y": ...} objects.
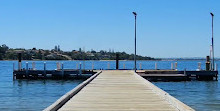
[
  {"x": 175, "y": 102},
  {"x": 62, "y": 100}
]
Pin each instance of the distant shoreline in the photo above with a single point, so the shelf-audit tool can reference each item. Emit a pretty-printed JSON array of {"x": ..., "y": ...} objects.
[{"x": 122, "y": 60}]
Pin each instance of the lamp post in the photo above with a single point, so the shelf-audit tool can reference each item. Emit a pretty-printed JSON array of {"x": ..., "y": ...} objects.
[
  {"x": 135, "y": 15},
  {"x": 212, "y": 44}
]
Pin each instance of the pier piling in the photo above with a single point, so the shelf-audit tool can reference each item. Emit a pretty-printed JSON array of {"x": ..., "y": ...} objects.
[
  {"x": 117, "y": 60},
  {"x": 45, "y": 69},
  {"x": 208, "y": 63},
  {"x": 19, "y": 61}
]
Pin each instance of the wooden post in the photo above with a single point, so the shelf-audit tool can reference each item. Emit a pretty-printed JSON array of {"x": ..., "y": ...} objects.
[
  {"x": 44, "y": 69},
  {"x": 155, "y": 66},
  {"x": 117, "y": 60},
  {"x": 123, "y": 65},
  {"x": 19, "y": 61},
  {"x": 208, "y": 63}
]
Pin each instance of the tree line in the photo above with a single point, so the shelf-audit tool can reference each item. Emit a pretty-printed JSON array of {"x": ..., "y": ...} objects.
[{"x": 7, "y": 53}]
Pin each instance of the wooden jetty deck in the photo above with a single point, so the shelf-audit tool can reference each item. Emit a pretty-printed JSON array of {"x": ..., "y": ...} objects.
[
  {"x": 117, "y": 90},
  {"x": 175, "y": 75},
  {"x": 151, "y": 75},
  {"x": 52, "y": 74}
]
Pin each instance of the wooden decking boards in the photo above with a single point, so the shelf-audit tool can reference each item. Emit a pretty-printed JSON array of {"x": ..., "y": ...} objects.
[{"x": 122, "y": 91}]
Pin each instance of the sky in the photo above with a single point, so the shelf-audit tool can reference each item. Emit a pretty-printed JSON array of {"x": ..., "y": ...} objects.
[{"x": 165, "y": 28}]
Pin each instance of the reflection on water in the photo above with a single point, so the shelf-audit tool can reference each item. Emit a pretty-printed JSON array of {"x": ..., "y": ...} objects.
[
  {"x": 35, "y": 95},
  {"x": 38, "y": 94},
  {"x": 201, "y": 95}
]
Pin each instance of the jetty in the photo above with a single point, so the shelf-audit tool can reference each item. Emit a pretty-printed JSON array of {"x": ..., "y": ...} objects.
[
  {"x": 52, "y": 74},
  {"x": 117, "y": 90},
  {"x": 175, "y": 75},
  {"x": 152, "y": 75}
]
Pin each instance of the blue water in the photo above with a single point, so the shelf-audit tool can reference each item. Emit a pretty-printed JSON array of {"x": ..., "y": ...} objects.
[{"x": 34, "y": 95}]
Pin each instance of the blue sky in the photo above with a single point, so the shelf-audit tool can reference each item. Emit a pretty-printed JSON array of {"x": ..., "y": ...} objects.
[{"x": 165, "y": 28}]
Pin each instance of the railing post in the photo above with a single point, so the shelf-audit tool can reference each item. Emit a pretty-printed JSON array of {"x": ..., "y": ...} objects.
[
  {"x": 175, "y": 65},
  {"x": 33, "y": 65},
  {"x": 80, "y": 68},
  {"x": 199, "y": 66},
  {"x": 19, "y": 61},
  {"x": 92, "y": 65},
  {"x": 171, "y": 66},
  {"x": 155, "y": 66},
  {"x": 44, "y": 69},
  {"x": 185, "y": 71},
  {"x": 216, "y": 67},
  {"x": 57, "y": 66},
  {"x": 140, "y": 66}
]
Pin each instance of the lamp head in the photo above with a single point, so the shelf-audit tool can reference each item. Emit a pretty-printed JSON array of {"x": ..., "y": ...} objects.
[
  {"x": 212, "y": 14},
  {"x": 135, "y": 14}
]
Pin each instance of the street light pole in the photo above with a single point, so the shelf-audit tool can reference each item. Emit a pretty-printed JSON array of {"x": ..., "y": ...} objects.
[
  {"x": 212, "y": 44},
  {"x": 135, "y": 15}
]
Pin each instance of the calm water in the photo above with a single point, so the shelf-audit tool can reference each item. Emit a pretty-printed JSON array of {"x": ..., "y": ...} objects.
[{"x": 34, "y": 95}]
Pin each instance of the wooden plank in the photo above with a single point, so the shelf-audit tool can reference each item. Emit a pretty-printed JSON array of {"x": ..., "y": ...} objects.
[
  {"x": 60, "y": 102},
  {"x": 122, "y": 91}
]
